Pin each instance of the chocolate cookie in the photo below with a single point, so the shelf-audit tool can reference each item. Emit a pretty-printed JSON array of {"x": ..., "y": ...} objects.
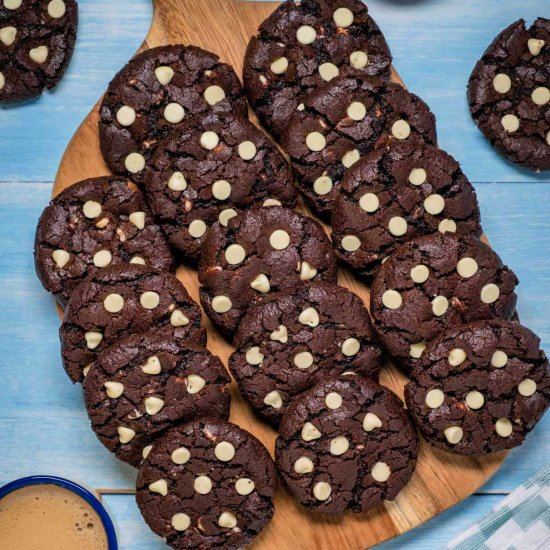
[
  {"x": 36, "y": 44},
  {"x": 119, "y": 301},
  {"x": 395, "y": 194},
  {"x": 153, "y": 94},
  {"x": 94, "y": 224},
  {"x": 263, "y": 250},
  {"x": 207, "y": 484},
  {"x": 292, "y": 340},
  {"x": 207, "y": 172},
  {"x": 146, "y": 383},
  {"x": 433, "y": 283},
  {"x": 304, "y": 44},
  {"x": 509, "y": 94},
  {"x": 480, "y": 388},
  {"x": 345, "y": 120},
  {"x": 346, "y": 444}
]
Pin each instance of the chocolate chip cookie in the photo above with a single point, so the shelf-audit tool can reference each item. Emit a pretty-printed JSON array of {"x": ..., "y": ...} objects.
[
  {"x": 344, "y": 121},
  {"x": 119, "y": 301},
  {"x": 265, "y": 249},
  {"x": 207, "y": 484},
  {"x": 480, "y": 388},
  {"x": 346, "y": 444},
  {"x": 207, "y": 172},
  {"x": 291, "y": 340},
  {"x": 146, "y": 383},
  {"x": 395, "y": 194},
  {"x": 37, "y": 40},
  {"x": 303, "y": 45},
  {"x": 509, "y": 94},
  {"x": 93, "y": 224},
  {"x": 433, "y": 283},
  {"x": 154, "y": 94}
]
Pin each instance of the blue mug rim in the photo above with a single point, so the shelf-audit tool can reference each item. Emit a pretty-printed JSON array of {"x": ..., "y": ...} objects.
[{"x": 82, "y": 492}]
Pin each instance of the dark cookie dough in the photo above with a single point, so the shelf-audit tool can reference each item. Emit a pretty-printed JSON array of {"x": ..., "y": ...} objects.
[
  {"x": 36, "y": 44},
  {"x": 346, "y": 444},
  {"x": 344, "y": 121},
  {"x": 480, "y": 388},
  {"x": 212, "y": 185},
  {"x": 119, "y": 301},
  {"x": 433, "y": 283},
  {"x": 94, "y": 224},
  {"x": 146, "y": 383},
  {"x": 395, "y": 194},
  {"x": 326, "y": 330},
  {"x": 509, "y": 94},
  {"x": 304, "y": 44},
  {"x": 192, "y": 79},
  {"x": 207, "y": 484},
  {"x": 265, "y": 249}
]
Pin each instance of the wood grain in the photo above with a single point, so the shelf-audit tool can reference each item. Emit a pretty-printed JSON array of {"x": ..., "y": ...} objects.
[{"x": 441, "y": 480}]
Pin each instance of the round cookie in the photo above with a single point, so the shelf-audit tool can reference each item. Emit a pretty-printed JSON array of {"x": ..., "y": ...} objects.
[
  {"x": 119, "y": 301},
  {"x": 263, "y": 250},
  {"x": 208, "y": 172},
  {"x": 346, "y": 444},
  {"x": 509, "y": 94},
  {"x": 344, "y": 121},
  {"x": 480, "y": 388},
  {"x": 146, "y": 383},
  {"x": 292, "y": 340},
  {"x": 301, "y": 46},
  {"x": 155, "y": 93},
  {"x": 395, "y": 194},
  {"x": 207, "y": 484},
  {"x": 435, "y": 282},
  {"x": 37, "y": 40},
  {"x": 93, "y": 224}
]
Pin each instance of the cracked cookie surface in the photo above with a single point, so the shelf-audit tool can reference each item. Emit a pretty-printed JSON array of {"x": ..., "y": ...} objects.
[
  {"x": 395, "y": 194},
  {"x": 154, "y": 94},
  {"x": 480, "y": 388},
  {"x": 301, "y": 46},
  {"x": 432, "y": 283},
  {"x": 207, "y": 484},
  {"x": 346, "y": 444},
  {"x": 146, "y": 383},
  {"x": 119, "y": 301},
  {"x": 263, "y": 250},
  {"x": 509, "y": 94},
  {"x": 292, "y": 340},
  {"x": 37, "y": 40},
  {"x": 208, "y": 172},
  {"x": 93, "y": 224},
  {"x": 345, "y": 120}
]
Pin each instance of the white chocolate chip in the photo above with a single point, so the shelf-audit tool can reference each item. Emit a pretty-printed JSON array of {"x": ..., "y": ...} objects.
[
  {"x": 369, "y": 202},
  {"x": 510, "y": 123},
  {"x": 261, "y": 284},
  {"x": 417, "y": 350},
  {"x": 213, "y": 95},
  {"x": 113, "y": 303},
  {"x": 357, "y": 111},
  {"x": 303, "y": 360},
  {"x": 343, "y": 17},
  {"x": 323, "y": 185},
  {"x": 2, "y": 81},
  {"x": 152, "y": 366},
  {"x": 160, "y": 487},
  {"x": 434, "y": 398},
  {"x": 527, "y": 387},
  {"x": 114, "y": 389},
  {"x": 359, "y": 60},
  {"x": 535, "y": 45},
  {"x": 224, "y": 451},
  {"x": 434, "y": 204},
  {"x": 467, "y": 267},
  {"x": 180, "y": 522},
  {"x": 227, "y": 520},
  {"x": 392, "y": 299},
  {"x": 210, "y": 140},
  {"x": 235, "y": 254},
  {"x": 202, "y": 484},
  {"x": 333, "y": 400},
  {"x": 149, "y": 300},
  {"x": 309, "y": 317},
  {"x": 195, "y": 384},
  {"x": 126, "y": 116},
  {"x": 371, "y": 422},
  {"x": 56, "y": 9},
  {"x": 61, "y": 258},
  {"x": 93, "y": 339},
  {"x": 350, "y": 243},
  {"x": 247, "y": 150},
  {"x": 140, "y": 260},
  {"x": 280, "y": 65},
  {"x": 164, "y": 75},
  {"x": 226, "y": 215},
  {"x": 420, "y": 274},
  {"x": 490, "y": 293},
  {"x": 322, "y": 490},
  {"x": 316, "y": 141},
  {"x": 125, "y": 435},
  {"x": 504, "y": 427},
  {"x": 254, "y": 356},
  {"x": 351, "y": 347},
  {"x": 178, "y": 319},
  {"x": 137, "y": 219},
  {"x": 7, "y": 35},
  {"x": 440, "y": 305},
  {"x": 221, "y": 304},
  {"x": 306, "y": 35},
  {"x": 39, "y": 54},
  {"x": 180, "y": 456},
  {"x": 397, "y": 226},
  {"x": 350, "y": 158},
  {"x": 153, "y": 405},
  {"x": 475, "y": 400},
  {"x": 328, "y": 71},
  {"x": 92, "y": 209},
  {"x": 447, "y": 226},
  {"x": 502, "y": 83},
  {"x": 263, "y": 79},
  {"x": 540, "y": 95},
  {"x": 499, "y": 359},
  {"x": 380, "y": 472},
  {"x": 301, "y": 107},
  {"x": 456, "y": 357},
  {"x": 102, "y": 223},
  {"x": 12, "y": 4},
  {"x": 146, "y": 451},
  {"x": 102, "y": 258},
  {"x": 339, "y": 445},
  {"x": 273, "y": 399},
  {"x": 279, "y": 239},
  {"x": 134, "y": 163},
  {"x": 272, "y": 202},
  {"x": 174, "y": 113},
  {"x": 310, "y": 432},
  {"x": 303, "y": 465},
  {"x": 418, "y": 176},
  {"x": 307, "y": 272},
  {"x": 453, "y": 434},
  {"x": 197, "y": 229},
  {"x": 177, "y": 182},
  {"x": 244, "y": 486},
  {"x": 86, "y": 370},
  {"x": 401, "y": 129}
]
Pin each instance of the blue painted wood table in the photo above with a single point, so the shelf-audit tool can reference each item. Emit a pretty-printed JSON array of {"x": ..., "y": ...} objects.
[{"x": 43, "y": 425}]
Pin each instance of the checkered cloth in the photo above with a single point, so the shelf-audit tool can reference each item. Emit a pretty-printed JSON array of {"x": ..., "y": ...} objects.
[{"x": 520, "y": 522}]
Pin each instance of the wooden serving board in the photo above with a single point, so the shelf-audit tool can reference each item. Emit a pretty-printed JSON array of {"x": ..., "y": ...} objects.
[{"x": 441, "y": 479}]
